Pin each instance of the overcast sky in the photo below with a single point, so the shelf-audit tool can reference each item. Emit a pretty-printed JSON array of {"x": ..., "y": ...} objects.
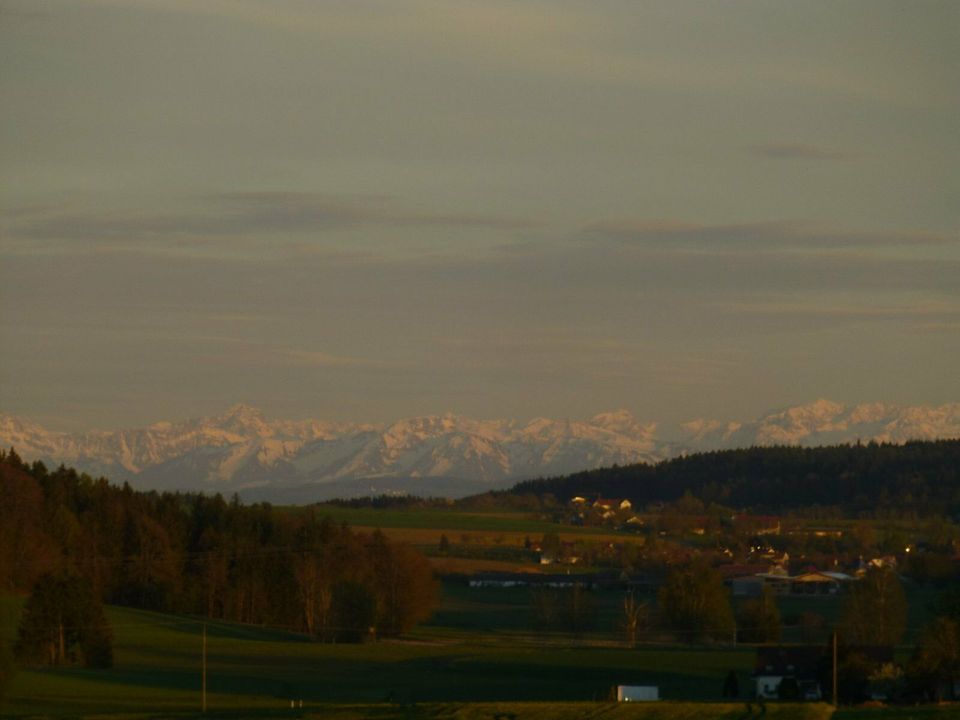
[{"x": 365, "y": 210}]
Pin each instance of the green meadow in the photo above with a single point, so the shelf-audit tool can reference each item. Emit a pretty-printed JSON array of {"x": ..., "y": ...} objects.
[
  {"x": 158, "y": 669},
  {"x": 440, "y": 519},
  {"x": 256, "y": 672}
]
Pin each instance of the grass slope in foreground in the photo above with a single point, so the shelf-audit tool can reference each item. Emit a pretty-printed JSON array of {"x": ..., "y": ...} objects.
[
  {"x": 158, "y": 660},
  {"x": 255, "y": 672}
]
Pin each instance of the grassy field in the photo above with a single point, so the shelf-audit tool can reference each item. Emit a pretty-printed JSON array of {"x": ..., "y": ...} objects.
[
  {"x": 923, "y": 712},
  {"x": 499, "y": 610},
  {"x": 437, "y": 519},
  {"x": 452, "y": 671},
  {"x": 607, "y": 711},
  {"x": 514, "y": 538},
  {"x": 517, "y": 524},
  {"x": 467, "y": 566},
  {"x": 158, "y": 661},
  {"x": 482, "y": 541},
  {"x": 490, "y": 612}
]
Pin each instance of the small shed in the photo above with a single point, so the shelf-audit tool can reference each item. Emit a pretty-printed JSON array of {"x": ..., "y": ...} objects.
[{"x": 638, "y": 693}]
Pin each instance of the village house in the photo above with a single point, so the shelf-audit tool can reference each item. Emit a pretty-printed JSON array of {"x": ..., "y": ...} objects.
[
  {"x": 886, "y": 562},
  {"x": 584, "y": 511},
  {"x": 743, "y": 578},
  {"x": 777, "y": 579},
  {"x": 608, "y": 508},
  {"x": 800, "y": 666},
  {"x": 747, "y": 580},
  {"x": 809, "y": 582},
  {"x": 819, "y": 582},
  {"x": 607, "y": 504}
]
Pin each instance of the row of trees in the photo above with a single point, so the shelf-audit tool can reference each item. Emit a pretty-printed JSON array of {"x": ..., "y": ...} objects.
[
  {"x": 199, "y": 554},
  {"x": 917, "y": 479},
  {"x": 694, "y": 604},
  {"x": 695, "y": 607}
]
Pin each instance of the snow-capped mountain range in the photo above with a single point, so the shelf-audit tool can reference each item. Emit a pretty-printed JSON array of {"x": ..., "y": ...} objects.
[{"x": 293, "y": 461}]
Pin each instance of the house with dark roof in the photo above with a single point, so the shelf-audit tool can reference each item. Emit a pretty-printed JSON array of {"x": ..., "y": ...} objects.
[
  {"x": 799, "y": 666},
  {"x": 803, "y": 667}
]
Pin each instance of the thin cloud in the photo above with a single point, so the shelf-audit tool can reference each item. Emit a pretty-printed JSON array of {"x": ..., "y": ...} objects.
[
  {"x": 673, "y": 232},
  {"x": 9, "y": 13},
  {"x": 239, "y": 214},
  {"x": 775, "y": 234},
  {"x": 800, "y": 151},
  {"x": 930, "y": 313},
  {"x": 320, "y": 359},
  {"x": 244, "y": 351},
  {"x": 935, "y": 328},
  {"x": 297, "y": 210},
  {"x": 580, "y": 273}
]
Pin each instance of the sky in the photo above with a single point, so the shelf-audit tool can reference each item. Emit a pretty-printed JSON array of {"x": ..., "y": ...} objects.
[{"x": 366, "y": 210}]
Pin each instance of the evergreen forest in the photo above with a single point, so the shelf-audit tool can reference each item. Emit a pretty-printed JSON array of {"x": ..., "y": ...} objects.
[
  {"x": 202, "y": 555},
  {"x": 917, "y": 479}
]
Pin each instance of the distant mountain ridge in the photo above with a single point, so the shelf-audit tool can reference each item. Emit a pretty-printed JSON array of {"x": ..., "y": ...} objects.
[
  {"x": 824, "y": 422},
  {"x": 242, "y": 451}
]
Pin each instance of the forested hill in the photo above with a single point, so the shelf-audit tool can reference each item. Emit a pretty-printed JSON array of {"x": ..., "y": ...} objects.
[
  {"x": 917, "y": 477},
  {"x": 199, "y": 554}
]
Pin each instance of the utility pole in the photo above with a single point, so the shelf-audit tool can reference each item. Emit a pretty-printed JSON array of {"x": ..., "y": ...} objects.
[
  {"x": 835, "y": 668},
  {"x": 204, "y": 677}
]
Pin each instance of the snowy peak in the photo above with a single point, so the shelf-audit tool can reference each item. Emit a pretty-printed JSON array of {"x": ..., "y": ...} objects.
[
  {"x": 623, "y": 422},
  {"x": 824, "y": 422},
  {"x": 241, "y": 449},
  {"x": 702, "y": 431},
  {"x": 242, "y": 420}
]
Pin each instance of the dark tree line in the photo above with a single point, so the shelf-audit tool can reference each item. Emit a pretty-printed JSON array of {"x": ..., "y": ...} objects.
[
  {"x": 917, "y": 479},
  {"x": 200, "y": 554}
]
